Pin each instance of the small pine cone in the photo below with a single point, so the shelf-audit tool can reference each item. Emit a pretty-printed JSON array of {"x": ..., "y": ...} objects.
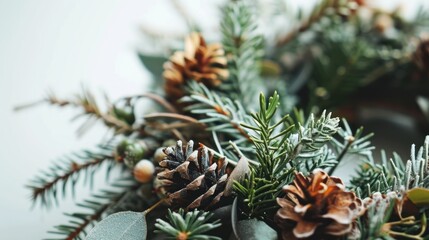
[
  {"x": 199, "y": 61},
  {"x": 192, "y": 179},
  {"x": 421, "y": 56},
  {"x": 318, "y": 207}
]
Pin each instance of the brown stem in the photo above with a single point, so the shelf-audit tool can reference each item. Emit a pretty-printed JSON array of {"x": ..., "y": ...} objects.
[
  {"x": 317, "y": 13},
  {"x": 174, "y": 116},
  {"x": 158, "y": 99},
  {"x": 226, "y": 113},
  {"x": 74, "y": 168}
]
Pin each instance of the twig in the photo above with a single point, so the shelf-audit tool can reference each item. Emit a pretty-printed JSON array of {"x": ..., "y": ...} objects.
[
  {"x": 317, "y": 13},
  {"x": 158, "y": 99},
  {"x": 350, "y": 140},
  {"x": 174, "y": 116},
  {"x": 74, "y": 168}
]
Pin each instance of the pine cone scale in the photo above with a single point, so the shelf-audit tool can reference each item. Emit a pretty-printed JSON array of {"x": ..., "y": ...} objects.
[
  {"x": 319, "y": 206},
  {"x": 305, "y": 229}
]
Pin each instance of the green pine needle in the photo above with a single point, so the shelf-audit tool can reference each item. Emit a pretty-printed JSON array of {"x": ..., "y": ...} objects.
[{"x": 191, "y": 226}]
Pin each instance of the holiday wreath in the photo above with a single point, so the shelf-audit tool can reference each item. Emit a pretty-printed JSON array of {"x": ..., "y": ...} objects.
[{"x": 237, "y": 144}]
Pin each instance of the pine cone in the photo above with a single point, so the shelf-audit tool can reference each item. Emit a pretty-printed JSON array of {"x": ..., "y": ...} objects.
[
  {"x": 199, "y": 62},
  {"x": 192, "y": 179},
  {"x": 317, "y": 207}
]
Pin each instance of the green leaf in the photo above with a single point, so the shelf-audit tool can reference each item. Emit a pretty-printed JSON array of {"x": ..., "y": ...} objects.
[
  {"x": 237, "y": 174},
  {"x": 424, "y": 105},
  {"x": 234, "y": 217},
  {"x": 254, "y": 229},
  {"x": 154, "y": 64},
  {"x": 419, "y": 196},
  {"x": 120, "y": 226}
]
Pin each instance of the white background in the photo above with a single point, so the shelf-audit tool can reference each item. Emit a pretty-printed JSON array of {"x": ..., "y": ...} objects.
[{"x": 58, "y": 45}]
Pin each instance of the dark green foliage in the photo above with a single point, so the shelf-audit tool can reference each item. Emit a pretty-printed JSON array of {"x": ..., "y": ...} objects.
[
  {"x": 192, "y": 225},
  {"x": 335, "y": 55},
  {"x": 273, "y": 151}
]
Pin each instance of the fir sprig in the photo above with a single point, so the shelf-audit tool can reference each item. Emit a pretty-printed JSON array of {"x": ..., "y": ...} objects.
[
  {"x": 270, "y": 139},
  {"x": 244, "y": 47},
  {"x": 282, "y": 147},
  {"x": 217, "y": 109},
  {"x": 310, "y": 142},
  {"x": 114, "y": 118},
  {"x": 393, "y": 174},
  {"x": 65, "y": 173},
  {"x": 316, "y": 14},
  {"x": 98, "y": 205},
  {"x": 192, "y": 225},
  {"x": 222, "y": 115}
]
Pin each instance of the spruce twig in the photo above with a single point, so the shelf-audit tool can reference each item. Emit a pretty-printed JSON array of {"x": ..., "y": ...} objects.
[
  {"x": 317, "y": 13},
  {"x": 46, "y": 187}
]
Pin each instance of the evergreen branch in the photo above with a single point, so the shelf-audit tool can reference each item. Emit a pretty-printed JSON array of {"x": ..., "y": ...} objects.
[
  {"x": 244, "y": 46},
  {"x": 216, "y": 111},
  {"x": 222, "y": 116},
  {"x": 88, "y": 104},
  {"x": 282, "y": 147},
  {"x": 352, "y": 144},
  {"x": 309, "y": 145},
  {"x": 270, "y": 140},
  {"x": 98, "y": 205},
  {"x": 394, "y": 175},
  {"x": 316, "y": 14},
  {"x": 192, "y": 225},
  {"x": 46, "y": 187}
]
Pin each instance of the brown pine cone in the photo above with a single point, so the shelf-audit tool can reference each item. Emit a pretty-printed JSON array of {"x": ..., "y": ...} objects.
[
  {"x": 317, "y": 207},
  {"x": 199, "y": 62},
  {"x": 192, "y": 179}
]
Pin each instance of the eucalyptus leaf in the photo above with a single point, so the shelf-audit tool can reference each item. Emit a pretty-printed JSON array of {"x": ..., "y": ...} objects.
[
  {"x": 419, "y": 196},
  {"x": 254, "y": 229},
  {"x": 424, "y": 105},
  {"x": 154, "y": 64},
  {"x": 120, "y": 226},
  {"x": 237, "y": 174},
  {"x": 234, "y": 217}
]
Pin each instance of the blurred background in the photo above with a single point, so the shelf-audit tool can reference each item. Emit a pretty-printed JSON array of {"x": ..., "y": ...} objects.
[{"x": 62, "y": 46}]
